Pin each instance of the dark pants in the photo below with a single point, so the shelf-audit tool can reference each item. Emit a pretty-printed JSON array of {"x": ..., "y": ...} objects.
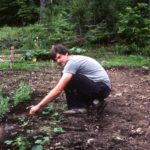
[{"x": 81, "y": 91}]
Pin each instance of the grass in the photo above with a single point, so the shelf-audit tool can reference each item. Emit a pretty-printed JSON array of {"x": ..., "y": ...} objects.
[
  {"x": 107, "y": 61},
  {"x": 126, "y": 61},
  {"x": 26, "y": 65}
]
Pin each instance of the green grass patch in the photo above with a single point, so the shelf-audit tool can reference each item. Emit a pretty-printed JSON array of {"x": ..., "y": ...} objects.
[
  {"x": 106, "y": 60},
  {"x": 26, "y": 65},
  {"x": 126, "y": 61}
]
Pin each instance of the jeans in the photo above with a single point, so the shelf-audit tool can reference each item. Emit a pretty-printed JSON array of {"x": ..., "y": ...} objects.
[{"x": 81, "y": 91}]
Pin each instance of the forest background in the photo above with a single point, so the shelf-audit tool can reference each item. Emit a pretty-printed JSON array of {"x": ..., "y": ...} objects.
[{"x": 115, "y": 26}]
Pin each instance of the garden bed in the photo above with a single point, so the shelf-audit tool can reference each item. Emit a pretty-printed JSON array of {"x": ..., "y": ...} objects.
[{"x": 125, "y": 123}]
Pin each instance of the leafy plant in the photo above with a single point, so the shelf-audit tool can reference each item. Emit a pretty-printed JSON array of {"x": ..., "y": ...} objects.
[
  {"x": 24, "y": 121},
  {"x": 133, "y": 24},
  {"x": 37, "y": 54},
  {"x": 49, "y": 109},
  {"x": 40, "y": 140},
  {"x": 29, "y": 55},
  {"x": 60, "y": 30},
  {"x": 4, "y": 106},
  {"x": 77, "y": 50},
  {"x": 59, "y": 130},
  {"x": 20, "y": 142},
  {"x": 97, "y": 33},
  {"x": 23, "y": 92}
]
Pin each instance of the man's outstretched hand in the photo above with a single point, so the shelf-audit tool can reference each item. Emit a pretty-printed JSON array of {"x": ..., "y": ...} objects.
[{"x": 34, "y": 109}]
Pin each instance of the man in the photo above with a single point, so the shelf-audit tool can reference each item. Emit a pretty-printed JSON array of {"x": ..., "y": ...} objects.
[{"x": 83, "y": 80}]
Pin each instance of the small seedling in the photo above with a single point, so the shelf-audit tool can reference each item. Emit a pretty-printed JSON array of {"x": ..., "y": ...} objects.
[
  {"x": 40, "y": 140},
  {"x": 49, "y": 109},
  {"x": 24, "y": 121}
]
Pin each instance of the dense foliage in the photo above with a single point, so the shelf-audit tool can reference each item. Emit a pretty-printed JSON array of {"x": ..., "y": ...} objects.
[{"x": 75, "y": 23}]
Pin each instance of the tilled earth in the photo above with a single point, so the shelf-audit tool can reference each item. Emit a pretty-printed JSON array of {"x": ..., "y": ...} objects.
[{"x": 125, "y": 124}]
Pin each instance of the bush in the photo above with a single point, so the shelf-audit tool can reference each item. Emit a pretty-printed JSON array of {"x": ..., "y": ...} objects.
[
  {"x": 134, "y": 25},
  {"x": 77, "y": 50},
  {"x": 98, "y": 33},
  {"x": 131, "y": 49}
]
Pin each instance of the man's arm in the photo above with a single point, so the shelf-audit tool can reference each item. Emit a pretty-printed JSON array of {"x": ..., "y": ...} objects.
[{"x": 53, "y": 93}]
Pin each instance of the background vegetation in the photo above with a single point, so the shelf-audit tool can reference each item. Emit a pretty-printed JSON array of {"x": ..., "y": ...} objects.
[{"x": 116, "y": 26}]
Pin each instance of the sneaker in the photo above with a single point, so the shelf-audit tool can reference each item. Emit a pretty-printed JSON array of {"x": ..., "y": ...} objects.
[{"x": 76, "y": 111}]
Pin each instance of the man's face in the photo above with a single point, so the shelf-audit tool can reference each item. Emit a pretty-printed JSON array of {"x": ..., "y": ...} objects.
[{"x": 61, "y": 59}]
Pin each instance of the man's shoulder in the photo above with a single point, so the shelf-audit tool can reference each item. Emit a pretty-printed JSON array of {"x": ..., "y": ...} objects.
[{"x": 76, "y": 57}]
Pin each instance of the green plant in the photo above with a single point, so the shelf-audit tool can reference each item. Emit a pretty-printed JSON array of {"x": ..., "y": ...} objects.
[
  {"x": 134, "y": 25},
  {"x": 20, "y": 143},
  {"x": 37, "y": 54},
  {"x": 40, "y": 140},
  {"x": 4, "y": 105},
  {"x": 57, "y": 117},
  {"x": 60, "y": 30},
  {"x": 30, "y": 54},
  {"x": 24, "y": 121},
  {"x": 49, "y": 109},
  {"x": 77, "y": 50},
  {"x": 59, "y": 130},
  {"x": 98, "y": 33},
  {"x": 23, "y": 92}
]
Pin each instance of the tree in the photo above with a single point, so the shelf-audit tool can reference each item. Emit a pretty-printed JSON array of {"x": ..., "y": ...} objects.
[
  {"x": 18, "y": 12},
  {"x": 134, "y": 24},
  {"x": 8, "y": 11}
]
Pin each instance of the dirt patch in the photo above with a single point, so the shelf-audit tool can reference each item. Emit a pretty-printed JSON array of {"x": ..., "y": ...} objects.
[{"x": 125, "y": 124}]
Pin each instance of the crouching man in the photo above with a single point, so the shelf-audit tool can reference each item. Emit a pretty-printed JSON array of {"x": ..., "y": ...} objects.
[{"x": 83, "y": 80}]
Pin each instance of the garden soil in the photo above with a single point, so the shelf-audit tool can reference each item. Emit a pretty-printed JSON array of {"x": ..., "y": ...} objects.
[{"x": 124, "y": 125}]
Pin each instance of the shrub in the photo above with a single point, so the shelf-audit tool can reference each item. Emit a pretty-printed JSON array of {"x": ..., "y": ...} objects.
[
  {"x": 133, "y": 25},
  {"x": 77, "y": 50},
  {"x": 98, "y": 33},
  {"x": 37, "y": 54}
]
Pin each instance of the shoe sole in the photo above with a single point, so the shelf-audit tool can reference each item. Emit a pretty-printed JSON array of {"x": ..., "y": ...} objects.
[{"x": 74, "y": 113}]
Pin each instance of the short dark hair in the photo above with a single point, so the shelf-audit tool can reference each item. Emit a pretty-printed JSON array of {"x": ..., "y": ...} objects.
[{"x": 58, "y": 48}]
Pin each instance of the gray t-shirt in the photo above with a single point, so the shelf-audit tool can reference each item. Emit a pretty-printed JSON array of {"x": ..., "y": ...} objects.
[{"x": 87, "y": 66}]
